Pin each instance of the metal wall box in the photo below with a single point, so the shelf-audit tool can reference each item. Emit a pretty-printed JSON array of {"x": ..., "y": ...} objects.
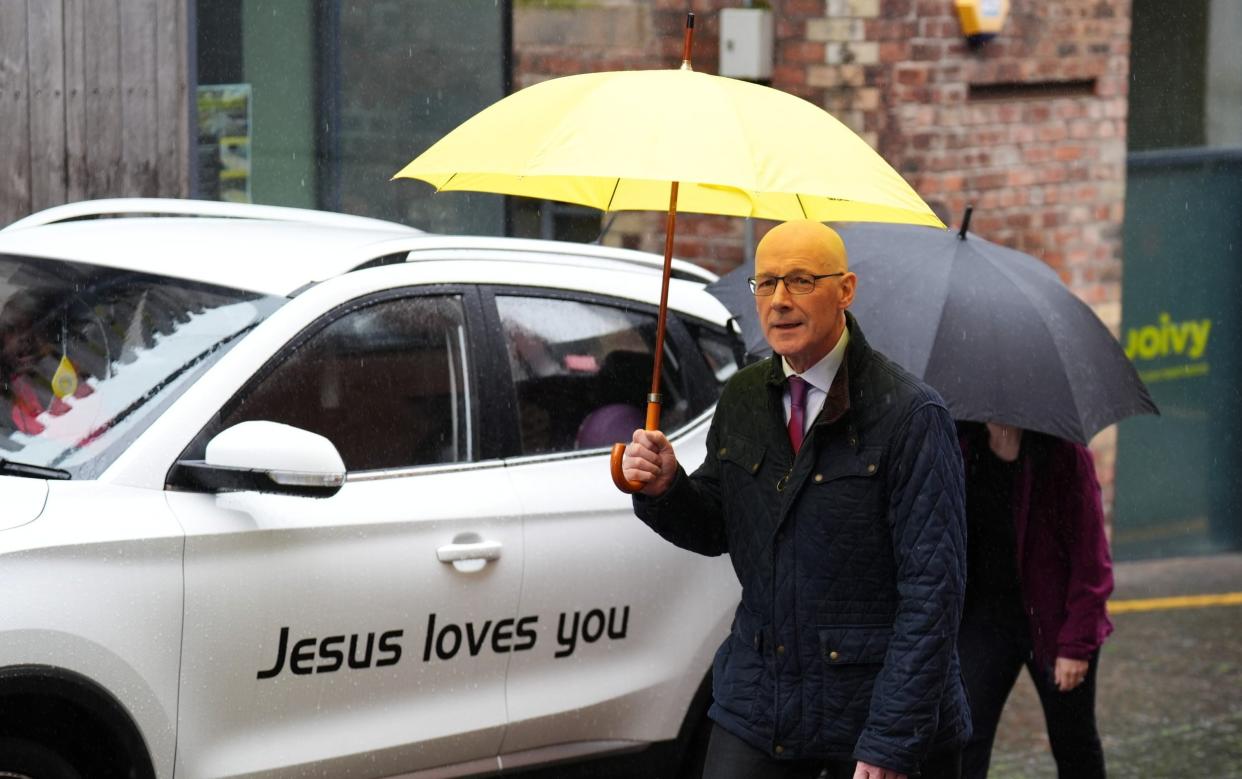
[{"x": 746, "y": 42}]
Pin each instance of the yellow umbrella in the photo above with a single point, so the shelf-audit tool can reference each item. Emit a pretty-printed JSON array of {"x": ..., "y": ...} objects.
[
  {"x": 675, "y": 139},
  {"x": 615, "y": 140}
]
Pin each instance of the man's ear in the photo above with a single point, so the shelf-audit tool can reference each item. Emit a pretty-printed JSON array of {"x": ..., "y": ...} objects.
[{"x": 848, "y": 283}]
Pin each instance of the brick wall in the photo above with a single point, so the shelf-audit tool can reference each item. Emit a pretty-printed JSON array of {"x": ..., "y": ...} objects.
[
  {"x": 595, "y": 35},
  {"x": 1028, "y": 127}
]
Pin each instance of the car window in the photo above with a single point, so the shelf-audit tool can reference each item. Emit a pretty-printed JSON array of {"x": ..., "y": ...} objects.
[
  {"x": 388, "y": 383},
  {"x": 90, "y": 355},
  {"x": 582, "y": 371},
  {"x": 722, "y": 351}
]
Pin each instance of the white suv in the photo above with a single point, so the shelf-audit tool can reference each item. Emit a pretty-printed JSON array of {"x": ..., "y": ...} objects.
[{"x": 290, "y": 493}]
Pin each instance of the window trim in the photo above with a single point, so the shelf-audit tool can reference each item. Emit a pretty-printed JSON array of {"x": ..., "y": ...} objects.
[
  {"x": 469, "y": 295},
  {"x": 694, "y": 371}
]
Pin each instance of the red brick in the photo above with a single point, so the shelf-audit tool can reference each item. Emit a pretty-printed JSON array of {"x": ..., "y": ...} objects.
[
  {"x": 800, "y": 52},
  {"x": 803, "y": 9},
  {"x": 1050, "y": 171},
  {"x": 887, "y": 29},
  {"x": 892, "y": 52},
  {"x": 911, "y": 75},
  {"x": 1067, "y": 153},
  {"x": 790, "y": 29},
  {"x": 783, "y": 75}
]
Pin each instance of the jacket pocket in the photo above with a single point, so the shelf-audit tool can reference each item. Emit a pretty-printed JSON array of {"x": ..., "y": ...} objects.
[
  {"x": 854, "y": 644},
  {"x": 742, "y": 471},
  {"x": 741, "y": 453},
  {"x": 738, "y": 670},
  {"x": 844, "y": 484},
  {"x": 852, "y": 658},
  {"x": 836, "y": 464}
]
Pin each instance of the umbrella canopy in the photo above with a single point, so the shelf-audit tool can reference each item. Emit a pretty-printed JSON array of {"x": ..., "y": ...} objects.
[
  {"x": 647, "y": 140},
  {"x": 616, "y": 140},
  {"x": 733, "y": 290},
  {"x": 994, "y": 330}
]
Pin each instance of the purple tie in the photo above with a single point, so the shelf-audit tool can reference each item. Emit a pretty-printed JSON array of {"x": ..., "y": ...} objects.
[{"x": 797, "y": 410}]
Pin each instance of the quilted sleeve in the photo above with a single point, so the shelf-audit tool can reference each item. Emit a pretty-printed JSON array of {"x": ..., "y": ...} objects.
[
  {"x": 927, "y": 518},
  {"x": 689, "y": 513}
]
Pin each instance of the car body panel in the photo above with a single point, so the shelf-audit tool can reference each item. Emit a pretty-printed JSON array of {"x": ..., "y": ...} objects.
[
  {"x": 145, "y": 463},
  {"x": 175, "y": 602},
  {"x": 164, "y": 207},
  {"x": 24, "y": 500},
  {"x": 274, "y": 258},
  {"x": 633, "y": 593},
  {"x": 98, "y": 593},
  {"x": 361, "y": 562}
]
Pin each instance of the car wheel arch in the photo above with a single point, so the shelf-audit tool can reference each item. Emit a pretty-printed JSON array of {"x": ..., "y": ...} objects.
[{"x": 71, "y": 714}]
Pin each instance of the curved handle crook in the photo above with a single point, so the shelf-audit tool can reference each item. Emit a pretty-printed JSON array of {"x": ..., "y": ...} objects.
[
  {"x": 618, "y": 450},
  {"x": 622, "y": 483},
  {"x": 653, "y": 398}
]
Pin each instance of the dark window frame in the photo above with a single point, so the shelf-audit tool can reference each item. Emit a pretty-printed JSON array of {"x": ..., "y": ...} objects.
[
  {"x": 697, "y": 378},
  {"x": 476, "y": 354}
]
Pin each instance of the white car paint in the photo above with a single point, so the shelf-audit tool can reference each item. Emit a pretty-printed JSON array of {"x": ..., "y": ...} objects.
[
  {"x": 23, "y": 500},
  {"x": 174, "y": 602},
  {"x": 94, "y": 587}
]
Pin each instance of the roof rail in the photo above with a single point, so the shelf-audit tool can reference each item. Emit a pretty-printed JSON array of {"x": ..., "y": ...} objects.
[
  {"x": 138, "y": 206},
  {"x": 469, "y": 247}
]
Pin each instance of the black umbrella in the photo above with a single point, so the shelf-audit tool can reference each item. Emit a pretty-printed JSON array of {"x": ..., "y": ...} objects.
[
  {"x": 994, "y": 330},
  {"x": 733, "y": 290}
]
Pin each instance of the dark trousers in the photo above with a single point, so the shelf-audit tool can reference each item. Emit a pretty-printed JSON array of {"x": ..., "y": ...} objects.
[
  {"x": 729, "y": 757},
  {"x": 992, "y": 658}
]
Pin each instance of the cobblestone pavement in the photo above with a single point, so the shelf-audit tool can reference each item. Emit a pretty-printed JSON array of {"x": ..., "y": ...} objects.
[{"x": 1170, "y": 682}]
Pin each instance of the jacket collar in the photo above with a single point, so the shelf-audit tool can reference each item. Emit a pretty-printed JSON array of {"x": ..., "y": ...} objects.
[{"x": 857, "y": 352}]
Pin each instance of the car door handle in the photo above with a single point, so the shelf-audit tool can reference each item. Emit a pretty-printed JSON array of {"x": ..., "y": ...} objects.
[{"x": 477, "y": 550}]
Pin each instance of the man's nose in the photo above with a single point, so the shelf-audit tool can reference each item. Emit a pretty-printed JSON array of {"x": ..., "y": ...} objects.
[{"x": 780, "y": 298}]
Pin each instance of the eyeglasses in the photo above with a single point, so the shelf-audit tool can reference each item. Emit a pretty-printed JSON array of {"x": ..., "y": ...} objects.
[{"x": 797, "y": 284}]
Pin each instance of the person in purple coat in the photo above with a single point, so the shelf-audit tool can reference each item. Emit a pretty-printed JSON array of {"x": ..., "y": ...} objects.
[{"x": 1038, "y": 578}]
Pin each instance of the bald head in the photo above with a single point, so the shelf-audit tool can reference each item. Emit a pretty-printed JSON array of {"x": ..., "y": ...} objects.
[
  {"x": 802, "y": 327},
  {"x": 814, "y": 243}
]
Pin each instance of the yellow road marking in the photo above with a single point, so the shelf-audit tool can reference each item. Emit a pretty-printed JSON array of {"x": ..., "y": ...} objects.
[{"x": 1180, "y": 602}]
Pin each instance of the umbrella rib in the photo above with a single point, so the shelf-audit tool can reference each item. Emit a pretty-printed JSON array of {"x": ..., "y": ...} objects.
[
  {"x": 446, "y": 183},
  {"x": 804, "y": 216},
  {"x": 612, "y": 196},
  {"x": 1022, "y": 285}
]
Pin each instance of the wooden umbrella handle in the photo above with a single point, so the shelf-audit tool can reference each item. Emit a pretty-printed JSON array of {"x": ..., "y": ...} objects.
[
  {"x": 618, "y": 478},
  {"x": 618, "y": 451},
  {"x": 653, "y": 398}
]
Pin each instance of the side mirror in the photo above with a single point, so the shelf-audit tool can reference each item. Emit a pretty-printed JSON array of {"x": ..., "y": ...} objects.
[{"x": 266, "y": 457}]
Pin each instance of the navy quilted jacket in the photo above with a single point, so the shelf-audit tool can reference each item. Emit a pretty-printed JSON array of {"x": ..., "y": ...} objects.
[{"x": 852, "y": 559}]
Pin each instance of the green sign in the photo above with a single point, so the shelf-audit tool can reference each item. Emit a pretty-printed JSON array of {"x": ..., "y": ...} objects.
[{"x": 1179, "y": 475}]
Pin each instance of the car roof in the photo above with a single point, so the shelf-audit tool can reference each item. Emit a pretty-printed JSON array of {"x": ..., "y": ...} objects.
[{"x": 271, "y": 249}]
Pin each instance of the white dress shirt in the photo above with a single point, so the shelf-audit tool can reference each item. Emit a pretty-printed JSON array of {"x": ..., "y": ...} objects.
[{"x": 819, "y": 376}]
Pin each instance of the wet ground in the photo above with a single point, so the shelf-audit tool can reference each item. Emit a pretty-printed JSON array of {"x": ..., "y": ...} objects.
[{"x": 1170, "y": 685}]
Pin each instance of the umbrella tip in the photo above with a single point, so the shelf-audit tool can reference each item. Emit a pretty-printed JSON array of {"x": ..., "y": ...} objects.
[
  {"x": 965, "y": 222},
  {"x": 688, "y": 43}
]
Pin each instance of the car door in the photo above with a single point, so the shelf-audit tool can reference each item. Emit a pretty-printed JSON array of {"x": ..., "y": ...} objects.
[
  {"x": 365, "y": 634},
  {"x": 627, "y": 622}
]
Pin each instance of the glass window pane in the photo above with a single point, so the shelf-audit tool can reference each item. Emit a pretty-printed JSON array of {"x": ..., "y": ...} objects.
[
  {"x": 388, "y": 384},
  {"x": 89, "y": 356},
  {"x": 317, "y": 104},
  {"x": 721, "y": 351},
  {"x": 405, "y": 75},
  {"x": 582, "y": 372}
]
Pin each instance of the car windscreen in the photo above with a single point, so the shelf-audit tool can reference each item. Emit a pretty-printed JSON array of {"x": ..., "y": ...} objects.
[{"x": 90, "y": 355}]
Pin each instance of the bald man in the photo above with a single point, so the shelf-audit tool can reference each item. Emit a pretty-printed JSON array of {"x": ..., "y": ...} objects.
[{"x": 834, "y": 482}]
